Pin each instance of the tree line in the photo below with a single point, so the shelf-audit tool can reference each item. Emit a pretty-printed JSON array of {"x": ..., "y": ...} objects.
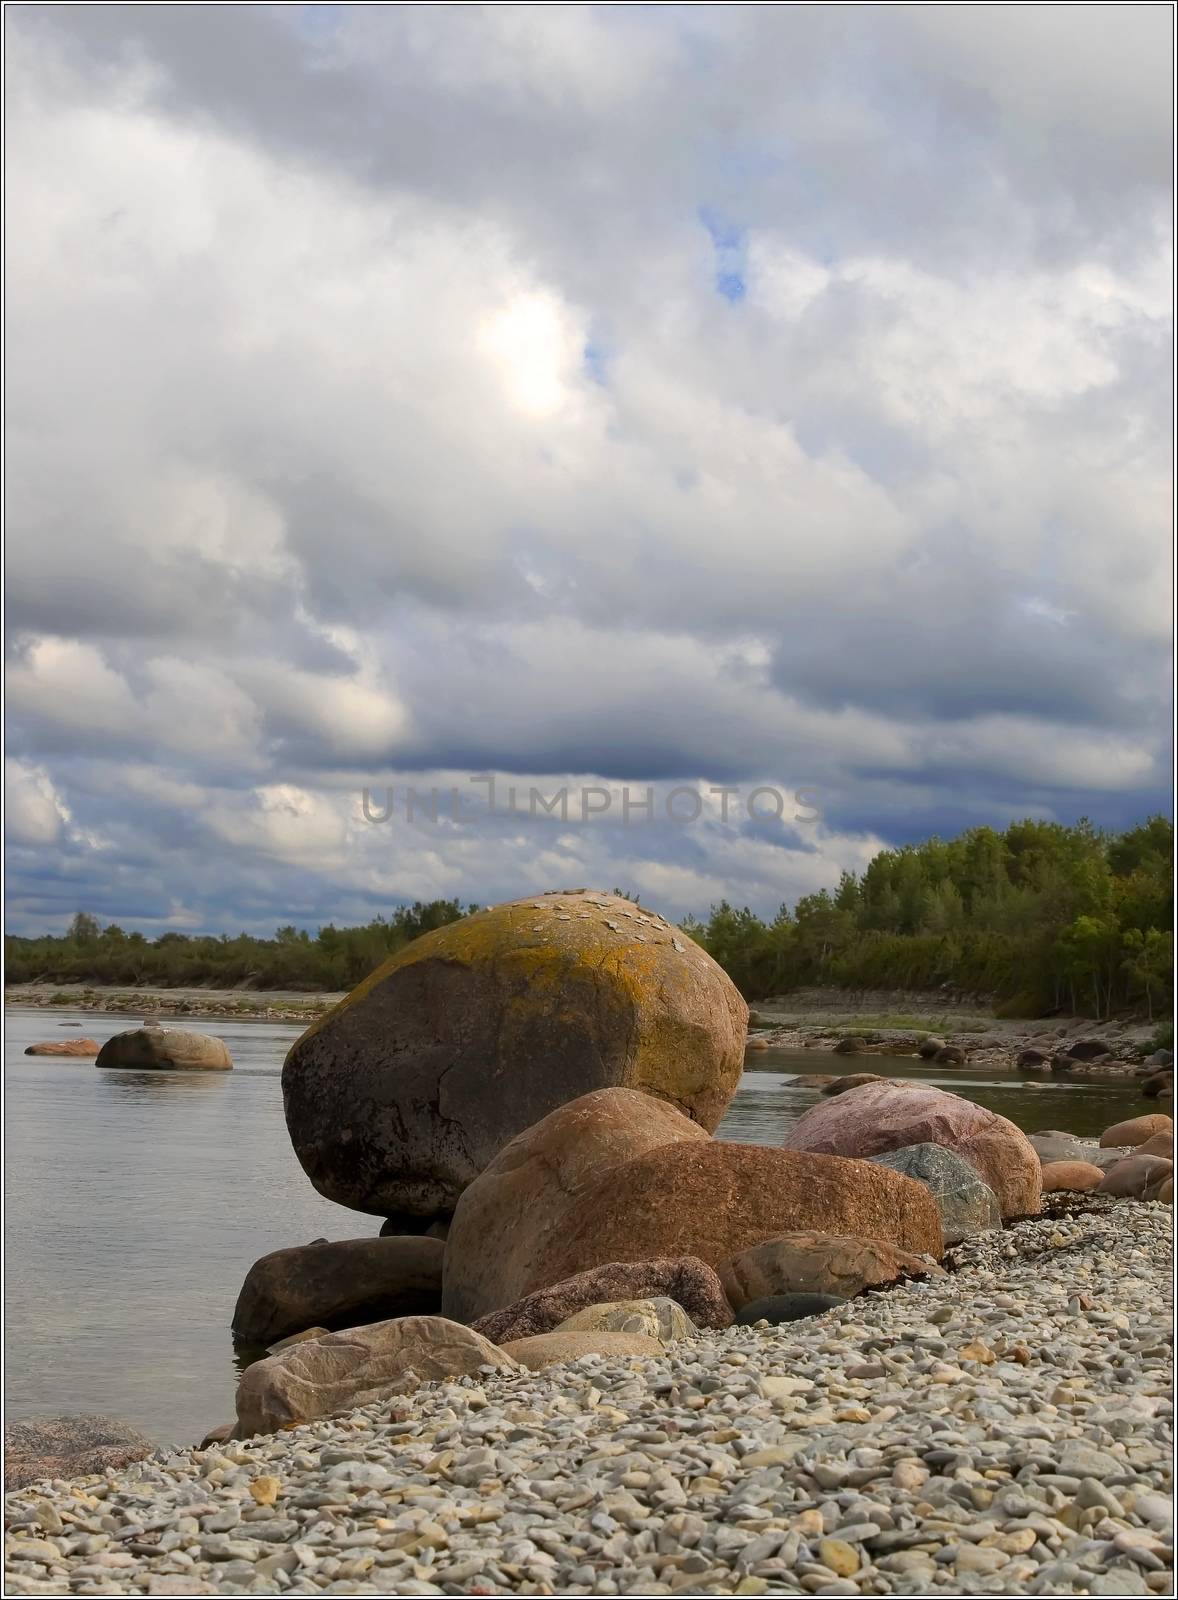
[{"x": 1040, "y": 917}]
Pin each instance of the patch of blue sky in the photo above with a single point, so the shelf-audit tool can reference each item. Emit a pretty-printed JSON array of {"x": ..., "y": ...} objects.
[
  {"x": 596, "y": 358},
  {"x": 730, "y": 244}
]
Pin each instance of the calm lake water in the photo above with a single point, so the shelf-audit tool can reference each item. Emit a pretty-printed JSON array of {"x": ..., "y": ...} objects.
[{"x": 136, "y": 1201}]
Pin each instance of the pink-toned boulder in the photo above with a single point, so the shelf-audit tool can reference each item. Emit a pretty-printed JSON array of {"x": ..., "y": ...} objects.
[
  {"x": 686, "y": 1280},
  {"x": 887, "y": 1116},
  {"x": 1079, "y": 1176},
  {"x": 1136, "y": 1131},
  {"x": 1136, "y": 1177},
  {"x": 64, "y": 1047},
  {"x": 618, "y": 1176}
]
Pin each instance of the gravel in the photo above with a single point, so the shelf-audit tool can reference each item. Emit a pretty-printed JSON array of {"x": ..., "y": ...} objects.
[{"x": 1004, "y": 1430}]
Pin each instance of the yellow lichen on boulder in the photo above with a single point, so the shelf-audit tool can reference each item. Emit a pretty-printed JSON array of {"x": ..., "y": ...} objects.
[{"x": 402, "y": 1095}]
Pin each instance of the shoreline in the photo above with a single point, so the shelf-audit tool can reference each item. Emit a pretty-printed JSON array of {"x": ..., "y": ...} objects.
[{"x": 1002, "y": 1429}]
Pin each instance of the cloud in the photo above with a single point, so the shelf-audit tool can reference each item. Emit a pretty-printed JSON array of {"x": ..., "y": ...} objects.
[{"x": 570, "y": 393}]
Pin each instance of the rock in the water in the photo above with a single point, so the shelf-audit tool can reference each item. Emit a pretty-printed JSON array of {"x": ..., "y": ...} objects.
[
  {"x": 778, "y": 1308},
  {"x": 338, "y": 1285},
  {"x": 1136, "y": 1177},
  {"x": 1031, "y": 1060},
  {"x": 1079, "y": 1176},
  {"x": 950, "y": 1055},
  {"x": 851, "y": 1046},
  {"x": 68, "y": 1447},
  {"x": 616, "y": 1176},
  {"x": 887, "y": 1116},
  {"x": 967, "y": 1205},
  {"x": 686, "y": 1280},
  {"x": 64, "y": 1047},
  {"x": 657, "y": 1319},
  {"x": 927, "y": 1048},
  {"x": 324, "y": 1377},
  {"x": 818, "y": 1263},
  {"x": 852, "y": 1080},
  {"x": 1159, "y": 1085},
  {"x": 150, "y": 1048},
  {"x": 1136, "y": 1131},
  {"x": 403, "y": 1093},
  {"x": 550, "y": 1349}
]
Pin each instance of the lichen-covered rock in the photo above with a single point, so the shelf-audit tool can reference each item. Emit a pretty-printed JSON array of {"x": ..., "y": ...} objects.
[
  {"x": 551, "y": 1349},
  {"x": 686, "y": 1280},
  {"x": 151, "y": 1048},
  {"x": 338, "y": 1285},
  {"x": 818, "y": 1263},
  {"x": 658, "y": 1319},
  {"x": 1136, "y": 1131},
  {"x": 68, "y": 1447},
  {"x": 967, "y": 1205},
  {"x": 63, "y": 1047},
  {"x": 404, "y": 1092},
  {"x": 615, "y": 1176},
  {"x": 325, "y": 1377},
  {"x": 1076, "y": 1176},
  {"x": 887, "y": 1116}
]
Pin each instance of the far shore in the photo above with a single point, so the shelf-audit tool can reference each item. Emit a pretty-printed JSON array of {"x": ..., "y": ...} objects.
[{"x": 814, "y": 1018}]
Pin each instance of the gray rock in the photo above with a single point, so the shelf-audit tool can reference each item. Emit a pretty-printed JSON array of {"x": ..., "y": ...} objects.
[
  {"x": 778, "y": 1308},
  {"x": 967, "y": 1205}
]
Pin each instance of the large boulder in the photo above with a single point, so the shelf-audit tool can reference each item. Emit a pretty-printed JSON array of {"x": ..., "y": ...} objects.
[
  {"x": 967, "y": 1204},
  {"x": 153, "y": 1048},
  {"x": 68, "y": 1447},
  {"x": 1136, "y": 1177},
  {"x": 887, "y": 1116},
  {"x": 1030, "y": 1060},
  {"x": 927, "y": 1048},
  {"x": 658, "y": 1319},
  {"x": 64, "y": 1047},
  {"x": 950, "y": 1055},
  {"x": 818, "y": 1263},
  {"x": 1136, "y": 1130},
  {"x": 1088, "y": 1050},
  {"x": 401, "y": 1095},
  {"x": 338, "y": 1285},
  {"x": 324, "y": 1377},
  {"x": 686, "y": 1280},
  {"x": 852, "y": 1045},
  {"x": 616, "y": 1176}
]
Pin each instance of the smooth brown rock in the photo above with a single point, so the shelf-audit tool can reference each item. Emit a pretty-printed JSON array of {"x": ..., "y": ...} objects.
[
  {"x": 1076, "y": 1175},
  {"x": 68, "y": 1447},
  {"x": 1160, "y": 1144},
  {"x": 1136, "y": 1131},
  {"x": 818, "y": 1263},
  {"x": 64, "y": 1047},
  {"x": 1136, "y": 1177},
  {"x": 551, "y": 1349},
  {"x": 1166, "y": 1193},
  {"x": 325, "y": 1377},
  {"x": 659, "y": 1319},
  {"x": 691, "y": 1283},
  {"x": 404, "y": 1093},
  {"x": 218, "y": 1435},
  {"x": 1031, "y": 1060},
  {"x": 887, "y": 1116},
  {"x": 296, "y": 1338},
  {"x": 154, "y": 1048},
  {"x": 950, "y": 1055},
  {"x": 338, "y": 1285},
  {"x": 852, "y": 1080},
  {"x": 577, "y": 1190},
  {"x": 853, "y": 1045}
]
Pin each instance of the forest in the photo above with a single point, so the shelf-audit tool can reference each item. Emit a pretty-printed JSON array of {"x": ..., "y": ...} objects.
[{"x": 1039, "y": 918}]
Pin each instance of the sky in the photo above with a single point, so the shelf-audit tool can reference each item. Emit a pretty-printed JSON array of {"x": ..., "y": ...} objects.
[{"x": 663, "y": 399}]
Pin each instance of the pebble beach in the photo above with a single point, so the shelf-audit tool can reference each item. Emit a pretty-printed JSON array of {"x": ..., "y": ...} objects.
[{"x": 1004, "y": 1429}]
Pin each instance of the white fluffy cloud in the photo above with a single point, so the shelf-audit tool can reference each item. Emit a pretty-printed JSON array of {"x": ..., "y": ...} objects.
[{"x": 568, "y": 390}]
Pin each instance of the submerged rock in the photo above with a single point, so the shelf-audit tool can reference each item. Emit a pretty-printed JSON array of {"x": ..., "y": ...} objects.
[
  {"x": 404, "y": 1093},
  {"x": 69, "y": 1447}
]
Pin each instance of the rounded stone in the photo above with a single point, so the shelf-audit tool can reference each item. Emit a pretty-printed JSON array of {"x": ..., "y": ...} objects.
[
  {"x": 151, "y": 1048},
  {"x": 407, "y": 1090},
  {"x": 1136, "y": 1130},
  {"x": 778, "y": 1308},
  {"x": 967, "y": 1205}
]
